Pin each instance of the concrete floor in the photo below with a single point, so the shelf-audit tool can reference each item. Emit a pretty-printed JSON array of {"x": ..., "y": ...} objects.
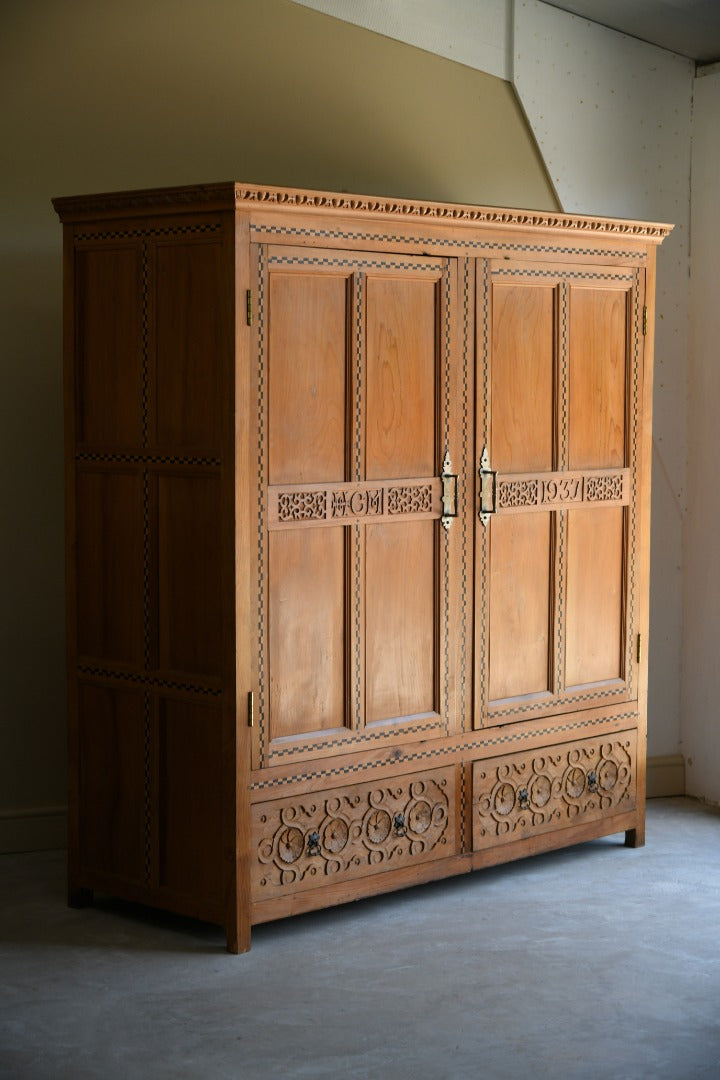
[{"x": 595, "y": 962}]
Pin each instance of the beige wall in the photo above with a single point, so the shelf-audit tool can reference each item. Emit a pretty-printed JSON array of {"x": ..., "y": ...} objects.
[
  {"x": 149, "y": 92},
  {"x": 700, "y": 728}
]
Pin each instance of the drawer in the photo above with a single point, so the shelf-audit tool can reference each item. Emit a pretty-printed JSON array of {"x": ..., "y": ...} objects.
[
  {"x": 310, "y": 840},
  {"x": 525, "y": 794}
]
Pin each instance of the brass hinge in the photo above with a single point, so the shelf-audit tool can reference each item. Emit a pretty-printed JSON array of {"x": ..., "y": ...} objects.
[
  {"x": 638, "y": 650},
  {"x": 249, "y": 307},
  {"x": 644, "y": 319},
  {"x": 251, "y": 709}
]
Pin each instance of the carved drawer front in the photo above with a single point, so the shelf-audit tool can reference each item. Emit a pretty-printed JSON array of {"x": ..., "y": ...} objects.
[
  {"x": 525, "y": 794},
  {"x": 311, "y": 840}
]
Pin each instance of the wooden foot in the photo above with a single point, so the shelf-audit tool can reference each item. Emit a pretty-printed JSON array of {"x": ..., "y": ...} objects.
[
  {"x": 238, "y": 939},
  {"x": 635, "y": 837}
]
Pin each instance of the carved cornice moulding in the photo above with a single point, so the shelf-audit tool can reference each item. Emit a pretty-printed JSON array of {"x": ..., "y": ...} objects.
[{"x": 224, "y": 196}]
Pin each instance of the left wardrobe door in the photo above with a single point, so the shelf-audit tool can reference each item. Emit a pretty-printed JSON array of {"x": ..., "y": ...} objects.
[{"x": 355, "y": 370}]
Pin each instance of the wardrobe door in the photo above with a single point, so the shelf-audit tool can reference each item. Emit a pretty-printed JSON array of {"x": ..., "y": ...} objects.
[
  {"x": 354, "y": 374},
  {"x": 558, "y": 429}
]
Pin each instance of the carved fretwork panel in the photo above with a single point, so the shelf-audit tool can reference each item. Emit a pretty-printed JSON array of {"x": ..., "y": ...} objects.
[
  {"x": 294, "y": 506},
  {"x": 522, "y": 795},
  {"x": 560, "y": 489},
  {"x": 310, "y": 840}
]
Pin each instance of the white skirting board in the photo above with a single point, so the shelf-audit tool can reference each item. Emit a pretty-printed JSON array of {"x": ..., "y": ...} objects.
[
  {"x": 665, "y": 776},
  {"x": 45, "y": 828}
]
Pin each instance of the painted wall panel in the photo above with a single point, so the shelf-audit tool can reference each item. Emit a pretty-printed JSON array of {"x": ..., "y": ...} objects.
[
  {"x": 472, "y": 32},
  {"x": 612, "y": 118},
  {"x": 700, "y": 729}
]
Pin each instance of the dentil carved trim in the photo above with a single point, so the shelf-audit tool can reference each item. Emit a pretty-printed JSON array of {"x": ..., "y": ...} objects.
[{"x": 229, "y": 195}]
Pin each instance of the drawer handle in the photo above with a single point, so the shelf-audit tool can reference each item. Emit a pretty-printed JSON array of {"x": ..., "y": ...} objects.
[
  {"x": 399, "y": 824},
  {"x": 592, "y": 781},
  {"x": 524, "y": 799},
  {"x": 314, "y": 844}
]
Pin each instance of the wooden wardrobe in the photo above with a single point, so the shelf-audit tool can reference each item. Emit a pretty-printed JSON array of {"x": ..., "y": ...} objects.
[{"x": 358, "y": 497}]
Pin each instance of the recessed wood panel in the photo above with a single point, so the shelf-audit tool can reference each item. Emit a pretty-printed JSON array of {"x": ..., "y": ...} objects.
[
  {"x": 190, "y": 851},
  {"x": 400, "y": 605},
  {"x": 520, "y": 592},
  {"x": 307, "y": 631},
  {"x": 598, "y": 345},
  {"x": 109, "y": 566},
  {"x": 111, "y": 767},
  {"x": 307, "y": 378},
  {"x": 109, "y": 347},
  {"x": 188, "y": 345},
  {"x": 401, "y": 378},
  {"x": 594, "y": 596},
  {"x": 522, "y": 378},
  {"x": 190, "y": 601}
]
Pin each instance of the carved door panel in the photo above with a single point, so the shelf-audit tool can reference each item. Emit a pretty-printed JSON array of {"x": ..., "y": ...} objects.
[
  {"x": 354, "y": 378},
  {"x": 558, "y": 429}
]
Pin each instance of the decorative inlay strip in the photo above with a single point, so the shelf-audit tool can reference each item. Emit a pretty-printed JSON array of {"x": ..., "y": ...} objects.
[
  {"x": 294, "y": 505},
  {"x": 152, "y": 681},
  {"x": 471, "y": 744},
  {"x": 464, "y": 503},
  {"x": 508, "y": 713},
  {"x": 357, "y": 261},
  {"x": 147, "y": 787},
  {"x": 260, "y": 523},
  {"x": 90, "y": 458},
  {"x": 546, "y": 490},
  {"x": 577, "y": 275},
  {"x": 136, "y": 234},
  {"x": 524, "y": 794},
  {"x": 479, "y": 247},
  {"x": 634, "y": 494},
  {"x": 310, "y": 840},
  {"x": 482, "y": 536},
  {"x": 366, "y": 737},
  {"x": 448, "y": 359}
]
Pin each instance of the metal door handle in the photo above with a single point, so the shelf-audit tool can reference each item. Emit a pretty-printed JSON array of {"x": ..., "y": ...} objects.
[
  {"x": 488, "y": 488},
  {"x": 449, "y": 492}
]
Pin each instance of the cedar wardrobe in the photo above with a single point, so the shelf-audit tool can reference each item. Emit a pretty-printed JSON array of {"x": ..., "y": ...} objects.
[{"x": 357, "y": 542}]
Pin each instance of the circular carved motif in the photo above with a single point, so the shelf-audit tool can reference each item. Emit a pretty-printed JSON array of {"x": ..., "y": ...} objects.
[
  {"x": 541, "y": 790},
  {"x": 504, "y": 799},
  {"x": 335, "y": 836},
  {"x": 420, "y": 817},
  {"x": 608, "y": 775},
  {"x": 575, "y": 783},
  {"x": 291, "y": 844},
  {"x": 378, "y": 826}
]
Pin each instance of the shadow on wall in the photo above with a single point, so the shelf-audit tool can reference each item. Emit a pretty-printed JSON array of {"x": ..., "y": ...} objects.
[{"x": 262, "y": 90}]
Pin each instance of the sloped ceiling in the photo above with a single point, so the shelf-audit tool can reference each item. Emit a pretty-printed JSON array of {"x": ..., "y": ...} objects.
[{"x": 688, "y": 27}]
